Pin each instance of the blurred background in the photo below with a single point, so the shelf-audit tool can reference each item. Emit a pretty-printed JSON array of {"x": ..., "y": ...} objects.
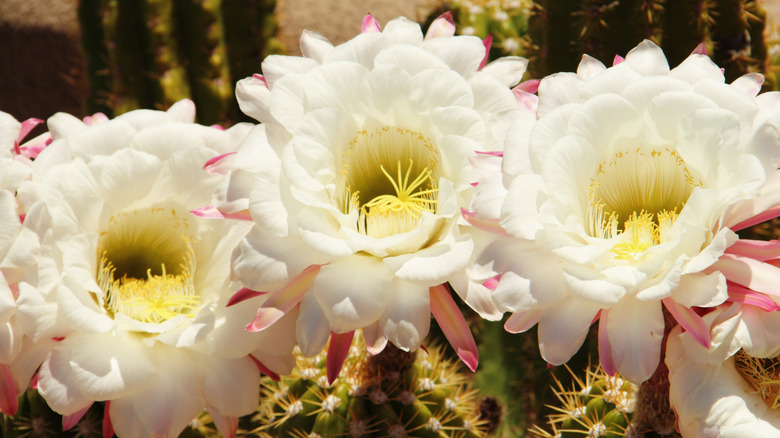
[
  {"x": 85, "y": 56},
  {"x": 44, "y": 70}
]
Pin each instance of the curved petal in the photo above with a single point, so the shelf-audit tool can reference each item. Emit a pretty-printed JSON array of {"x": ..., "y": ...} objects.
[
  {"x": 407, "y": 319},
  {"x": 635, "y": 329},
  {"x": 454, "y": 326},
  {"x": 353, "y": 291}
]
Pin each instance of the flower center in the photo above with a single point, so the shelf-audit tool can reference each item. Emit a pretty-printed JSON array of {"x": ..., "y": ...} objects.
[
  {"x": 389, "y": 177},
  {"x": 146, "y": 264},
  {"x": 763, "y": 374},
  {"x": 637, "y": 196}
]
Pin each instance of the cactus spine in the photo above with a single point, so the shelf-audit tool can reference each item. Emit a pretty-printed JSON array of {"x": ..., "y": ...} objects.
[
  {"x": 598, "y": 406},
  {"x": 393, "y": 393}
]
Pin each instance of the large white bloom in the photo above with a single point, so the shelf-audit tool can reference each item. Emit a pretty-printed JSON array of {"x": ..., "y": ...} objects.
[
  {"x": 620, "y": 202},
  {"x": 17, "y": 364},
  {"x": 136, "y": 285},
  {"x": 732, "y": 388},
  {"x": 356, "y": 183}
]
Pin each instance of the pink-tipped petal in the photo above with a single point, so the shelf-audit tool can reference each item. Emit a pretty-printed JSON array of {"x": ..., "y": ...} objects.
[
  {"x": 617, "y": 60},
  {"x": 375, "y": 341},
  {"x": 757, "y": 219},
  {"x": 701, "y": 49},
  {"x": 491, "y": 153},
  {"x": 212, "y": 212},
  {"x": 243, "y": 294},
  {"x": 27, "y": 126},
  {"x": 68, "y": 421},
  {"x": 527, "y": 100},
  {"x": 740, "y": 294},
  {"x": 492, "y": 282},
  {"x": 108, "y": 428},
  {"x": 454, "y": 326},
  {"x": 261, "y": 79},
  {"x": 760, "y": 250},
  {"x": 753, "y": 274},
  {"x": 227, "y": 425},
  {"x": 487, "y": 42},
  {"x": 370, "y": 24},
  {"x": 95, "y": 119},
  {"x": 283, "y": 300},
  {"x": 521, "y": 321},
  {"x": 220, "y": 164},
  {"x": 689, "y": 320},
  {"x": 605, "y": 350},
  {"x": 489, "y": 225},
  {"x": 31, "y": 149},
  {"x": 337, "y": 353},
  {"x": 529, "y": 86},
  {"x": 443, "y": 26},
  {"x": 8, "y": 404},
  {"x": 264, "y": 369}
]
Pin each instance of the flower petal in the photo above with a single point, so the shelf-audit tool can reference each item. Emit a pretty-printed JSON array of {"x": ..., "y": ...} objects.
[
  {"x": 635, "y": 329},
  {"x": 454, "y": 326},
  {"x": 337, "y": 353},
  {"x": 284, "y": 299}
]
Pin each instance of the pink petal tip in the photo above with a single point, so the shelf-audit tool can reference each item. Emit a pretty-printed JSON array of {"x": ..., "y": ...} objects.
[
  {"x": 242, "y": 295},
  {"x": 605, "y": 350},
  {"x": 454, "y": 326},
  {"x": 337, "y": 353},
  {"x": 370, "y": 24}
]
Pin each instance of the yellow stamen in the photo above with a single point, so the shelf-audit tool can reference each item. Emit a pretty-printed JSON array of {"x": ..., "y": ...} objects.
[
  {"x": 763, "y": 374},
  {"x": 388, "y": 204},
  {"x": 636, "y": 197},
  {"x": 136, "y": 252}
]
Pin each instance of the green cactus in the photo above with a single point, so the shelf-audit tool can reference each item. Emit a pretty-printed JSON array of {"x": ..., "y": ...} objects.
[
  {"x": 609, "y": 406},
  {"x": 555, "y": 33},
  {"x": 152, "y": 53},
  {"x": 393, "y": 393},
  {"x": 506, "y": 20},
  {"x": 598, "y": 406}
]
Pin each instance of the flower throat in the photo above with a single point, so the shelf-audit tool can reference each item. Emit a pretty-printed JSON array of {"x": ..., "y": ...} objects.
[
  {"x": 146, "y": 266},
  {"x": 637, "y": 196},
  {"x": 389, "y": 178}
]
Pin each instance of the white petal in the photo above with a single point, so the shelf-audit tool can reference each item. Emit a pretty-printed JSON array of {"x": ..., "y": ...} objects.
[
  {"x": 635, "y": 329},
  {"x": 408, "y": 316},
  {"x": 353, "y": 291},
  {"x": 313, "y": 327},
  {"x": 230, "y": 385},
  {"x": 563, "y": 327},
  {"x": 435, "y": 264},
  {"x": 106, "y": 366}
]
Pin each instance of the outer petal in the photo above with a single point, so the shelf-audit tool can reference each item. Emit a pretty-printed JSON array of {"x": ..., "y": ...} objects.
[
  {"x": 353, "y": 292},
  {"x": 407, "y": 319},
  {"x": 563, "y": 329},
  {"x": 635, "y": 329}
]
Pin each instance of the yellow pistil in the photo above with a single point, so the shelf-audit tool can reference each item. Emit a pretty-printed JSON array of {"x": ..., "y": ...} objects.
[
  {"x": 763, "y": 374},
  {"x": 636, "y": 197},
  {"x": 388, "y": 204},
  {"x": 136, "y": 253}
]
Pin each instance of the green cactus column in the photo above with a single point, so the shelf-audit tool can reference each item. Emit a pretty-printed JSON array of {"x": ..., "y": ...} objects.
[{"x": 152, "y": 53}]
